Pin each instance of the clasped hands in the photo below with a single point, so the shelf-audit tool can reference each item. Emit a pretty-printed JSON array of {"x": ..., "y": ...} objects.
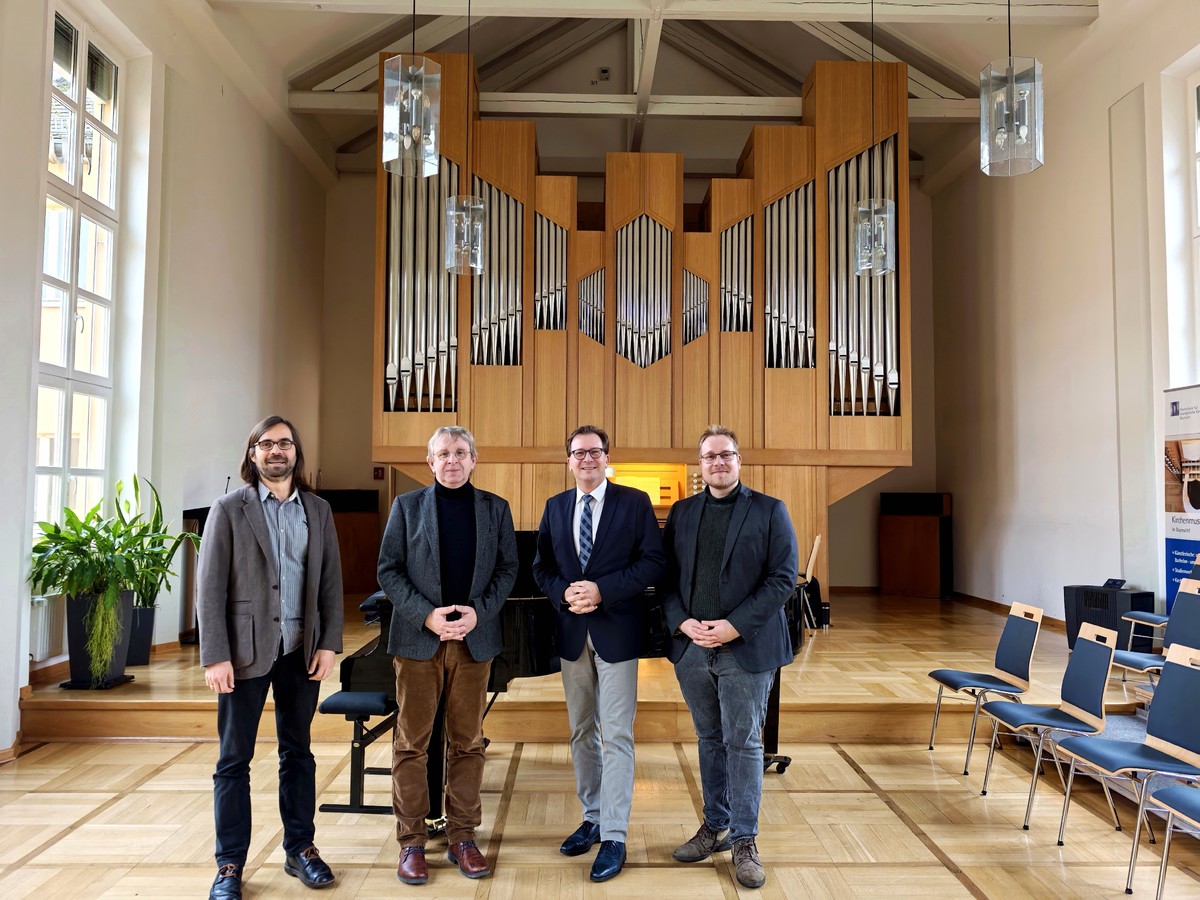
[
  {"x": 582, "y": 596},
  {"x": 710, "y": 633},
  {"x": 451, "y": 629}
]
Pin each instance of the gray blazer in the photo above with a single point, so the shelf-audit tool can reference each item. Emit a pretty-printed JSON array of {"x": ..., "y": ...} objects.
[
  {"x": 238, "y": 603},
  {"x": 410, "y": 572}
]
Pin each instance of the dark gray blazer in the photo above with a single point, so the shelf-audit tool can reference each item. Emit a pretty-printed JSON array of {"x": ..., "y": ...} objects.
[
  {"x": 410, "y": 572},
  {"x": 237, "y": 602},
  {"x": 758, "y": 575}
]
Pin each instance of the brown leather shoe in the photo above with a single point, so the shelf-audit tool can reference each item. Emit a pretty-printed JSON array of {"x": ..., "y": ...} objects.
[
  {"x": 412, "y": 868},
  {"x": 470, "y": 861}
]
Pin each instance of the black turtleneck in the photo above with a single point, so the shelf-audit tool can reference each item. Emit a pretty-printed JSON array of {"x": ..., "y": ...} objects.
[
  {"x": 710, "y": 547},
  {"x": 456, "y": 536}
]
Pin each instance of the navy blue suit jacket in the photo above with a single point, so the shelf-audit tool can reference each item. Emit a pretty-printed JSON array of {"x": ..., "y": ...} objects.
[
  {"x": 758, "y": 574},
  {"x": 627, "y": 557}
]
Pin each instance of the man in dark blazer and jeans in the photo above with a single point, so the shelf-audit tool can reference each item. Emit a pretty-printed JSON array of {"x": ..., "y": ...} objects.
[
  {"x": 731, "y": 567},
  {"x": 599, "y": 547},
  {"x": 269, "y": 606},
  {"x": 447, "y": 563}
]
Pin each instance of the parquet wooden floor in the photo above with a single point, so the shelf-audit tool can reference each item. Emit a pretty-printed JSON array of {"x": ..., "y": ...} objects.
[
  {"x": 863, "y": 679},
  {"x": 856, "y": 820}
]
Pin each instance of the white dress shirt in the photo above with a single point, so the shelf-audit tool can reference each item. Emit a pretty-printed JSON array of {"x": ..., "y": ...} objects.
[{"x": 597, "y": 506}]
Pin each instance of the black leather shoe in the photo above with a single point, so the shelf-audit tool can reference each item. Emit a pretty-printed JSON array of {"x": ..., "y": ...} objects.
[
  {"x": 581, "y": 841},
  {"x": 609, "y": 860},
  {"x": 228, "y": 884},
  {"x": 309, "y": 868}
]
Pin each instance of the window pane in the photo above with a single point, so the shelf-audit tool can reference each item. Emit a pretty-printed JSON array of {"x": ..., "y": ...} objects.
[
  {"x": 53, "y": 342},
  {"x": 56, "y": 259},
  {"x": 99, "y": 166},
  {"x": 95, "y": 258},
  {"x": 84, "y": 492},
  {"x": 47, "y": 501},
  {"x": 61, "y": 160},
  {"x": 91, "y": 337},
  {"x": 48, "y": 449},
  {"x": 101, "y": 87},
  {"x": 88, "y": 419},
  {"x": 62, "y": 73}
]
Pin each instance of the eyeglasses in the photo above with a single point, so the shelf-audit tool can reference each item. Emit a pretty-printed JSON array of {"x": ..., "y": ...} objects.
[
  {"x": 594, "y": 453},
  {"x": 725, "y": 456},
  {"x": 446, "y": 455},
  {"x": 267, "y": 446}
]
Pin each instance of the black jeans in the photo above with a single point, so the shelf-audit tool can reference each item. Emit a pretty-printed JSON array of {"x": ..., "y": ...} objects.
[{"x": 238, "y": 714}]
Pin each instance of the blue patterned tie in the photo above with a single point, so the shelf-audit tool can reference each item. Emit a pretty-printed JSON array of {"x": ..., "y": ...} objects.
[{"x": 585, "y": 532}]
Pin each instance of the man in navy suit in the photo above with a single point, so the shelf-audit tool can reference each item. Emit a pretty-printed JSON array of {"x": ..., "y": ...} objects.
[
  {"x": 731, "y": 567},
  {"x": 599, "y": 547}
]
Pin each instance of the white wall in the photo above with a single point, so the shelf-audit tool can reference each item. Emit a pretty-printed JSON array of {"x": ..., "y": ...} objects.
[
  {"x": 233, "y": 332},
  {"x": 1024, "y": 325},
  {"x": 853, "y": 536},
  {"x": 347, "y": 335}
]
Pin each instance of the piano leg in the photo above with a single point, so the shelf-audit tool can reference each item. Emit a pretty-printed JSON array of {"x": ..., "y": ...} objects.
[
  {"x": 771, "y": 756},
  {"x": 435, "y": 769}
]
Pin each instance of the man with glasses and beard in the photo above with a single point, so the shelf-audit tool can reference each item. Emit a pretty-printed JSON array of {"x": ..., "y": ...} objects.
[
  {"x": 269, "y": 605},
  {"x": 731, "y": 567},
  {"x": 447, "y": 564},
  {"x": 598, "y": 548}
]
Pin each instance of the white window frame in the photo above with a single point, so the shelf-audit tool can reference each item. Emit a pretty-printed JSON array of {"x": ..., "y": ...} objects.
[
  {"x": 1193, "y": 142},
  {"x": 81, "y": 204}
]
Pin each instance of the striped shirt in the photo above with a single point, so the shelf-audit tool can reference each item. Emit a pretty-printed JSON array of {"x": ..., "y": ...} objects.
[{"x": 288, "y": 527}]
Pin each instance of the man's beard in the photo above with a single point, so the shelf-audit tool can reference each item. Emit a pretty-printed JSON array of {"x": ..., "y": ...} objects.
[{"x": 281, "y": 469}]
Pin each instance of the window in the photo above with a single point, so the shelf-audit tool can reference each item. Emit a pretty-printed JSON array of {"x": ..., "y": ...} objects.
[{"x": 82, "y": 227}]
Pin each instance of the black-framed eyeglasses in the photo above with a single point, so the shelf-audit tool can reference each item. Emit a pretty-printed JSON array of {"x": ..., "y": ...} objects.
[
  {"x": 267, "y": 446},
  {"x": 726, "y": 456},
  {"x": 594, "y": 453}
]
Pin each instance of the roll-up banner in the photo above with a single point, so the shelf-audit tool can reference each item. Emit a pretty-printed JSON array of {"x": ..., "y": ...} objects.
[{"x": 1181, "y": 481}]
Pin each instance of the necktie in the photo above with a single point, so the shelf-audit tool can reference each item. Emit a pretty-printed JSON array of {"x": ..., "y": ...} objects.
[{"x": 585, "y": 532}]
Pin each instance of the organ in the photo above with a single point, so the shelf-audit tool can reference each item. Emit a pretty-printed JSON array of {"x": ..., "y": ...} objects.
[{"x": 649, "y": 328}]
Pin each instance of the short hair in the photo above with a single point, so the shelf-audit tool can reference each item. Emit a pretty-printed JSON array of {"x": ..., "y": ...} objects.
[
  {"x": 249, "y": 470},
  {"x": 717, "y": 431},
  {"x": 454, "y": 432},
  {"x": 588, "y": 429}
]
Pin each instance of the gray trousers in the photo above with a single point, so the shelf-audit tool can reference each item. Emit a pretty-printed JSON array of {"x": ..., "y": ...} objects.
[{"x": 601, "y": 702}]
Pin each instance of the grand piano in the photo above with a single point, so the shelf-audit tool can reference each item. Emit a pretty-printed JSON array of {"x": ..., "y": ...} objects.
[{"x": 527, "y": 627}]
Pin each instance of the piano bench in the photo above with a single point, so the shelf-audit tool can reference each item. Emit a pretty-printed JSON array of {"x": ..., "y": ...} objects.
[{"x": 358, "y": 707}]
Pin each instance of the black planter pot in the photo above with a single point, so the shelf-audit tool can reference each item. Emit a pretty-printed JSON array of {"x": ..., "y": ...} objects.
[
  {"x": 80, "y": 659},
  {"x": 142, "y": 636}
]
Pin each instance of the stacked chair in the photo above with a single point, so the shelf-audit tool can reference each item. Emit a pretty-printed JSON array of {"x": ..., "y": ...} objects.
[
  {"x": 1182, "y": 626},
  {"x": 1009, "y": 677},
  {"x": 1181, "y": 801},
  {"x": 1171, "y": 748},
  {"x": 1081, "y": 711}
]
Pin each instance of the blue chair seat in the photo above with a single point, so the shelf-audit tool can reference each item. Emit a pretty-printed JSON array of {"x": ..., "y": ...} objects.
[
  {"x": 980, "y": 681},
  {"x": 1182, "y": 800},
  {"x": 1139, "y": 662},
  {"x": 1021, "y": 715},
  {"x": 1154, "y": 620},
  {"x": 1125, "y": 756}
]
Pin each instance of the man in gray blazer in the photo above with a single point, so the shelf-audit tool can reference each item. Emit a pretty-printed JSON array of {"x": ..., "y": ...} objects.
[
  {"x": 731, "y": 567},
  {"x": 447, "y": 563},
  {"x": 270, "y": 611}
]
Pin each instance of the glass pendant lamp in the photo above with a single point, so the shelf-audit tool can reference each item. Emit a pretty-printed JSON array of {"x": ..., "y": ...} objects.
[
  {"x": 874, "y": 218},
  {"x": 412, "y": 100},
  {"x": 1010, "y": 113},
  {"x": 466, "y": 216}
]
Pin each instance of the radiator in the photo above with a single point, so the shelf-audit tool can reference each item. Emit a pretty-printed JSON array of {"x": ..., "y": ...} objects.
[{"x": 48, "y": 627}]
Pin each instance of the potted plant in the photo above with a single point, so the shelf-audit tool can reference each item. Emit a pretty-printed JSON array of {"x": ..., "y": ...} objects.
[
  {"x": 90, "y": 560},
  {"x": 152, "y": 548}
]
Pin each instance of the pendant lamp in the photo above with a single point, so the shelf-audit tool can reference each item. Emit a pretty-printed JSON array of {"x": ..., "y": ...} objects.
[
  {"x": 466, "y": 216},
  {"x": 874, "y": 218},
  {"x": 1010, "y": 113},
  {"x": 412, "y": 99}
]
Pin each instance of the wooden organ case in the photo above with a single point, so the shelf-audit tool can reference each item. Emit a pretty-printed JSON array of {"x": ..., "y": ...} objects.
[{"x": 647, "y": 329}]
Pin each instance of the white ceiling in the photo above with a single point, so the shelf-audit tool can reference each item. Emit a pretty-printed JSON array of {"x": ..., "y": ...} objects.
[{"x": 313, "y": 78}]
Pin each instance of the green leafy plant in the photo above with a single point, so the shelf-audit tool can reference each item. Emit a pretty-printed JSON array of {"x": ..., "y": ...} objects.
[
  {"x": 152, "y": 545},
  {"x": 98, "y": 558},
  {"x": 89, "y": 560}
]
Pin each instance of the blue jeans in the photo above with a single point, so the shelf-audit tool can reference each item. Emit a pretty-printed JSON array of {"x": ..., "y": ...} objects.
[{"x": 729, "y": 706}]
